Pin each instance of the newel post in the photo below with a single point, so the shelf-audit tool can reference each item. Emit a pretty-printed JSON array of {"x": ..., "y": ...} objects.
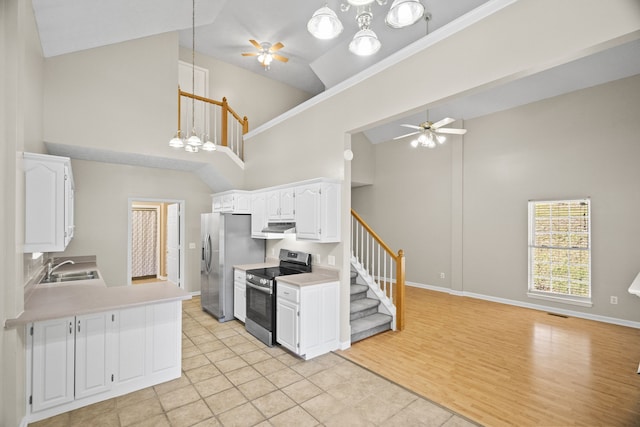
[
  {"x": 400, "y": 286},
  {"x": 223, "y": 120}
]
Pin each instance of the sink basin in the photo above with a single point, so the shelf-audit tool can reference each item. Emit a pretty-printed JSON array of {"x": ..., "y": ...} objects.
[{"x": 71, "y": 276}]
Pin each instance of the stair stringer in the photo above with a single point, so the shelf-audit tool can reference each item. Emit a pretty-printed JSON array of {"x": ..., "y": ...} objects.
[{"x": 386, "y": 305}]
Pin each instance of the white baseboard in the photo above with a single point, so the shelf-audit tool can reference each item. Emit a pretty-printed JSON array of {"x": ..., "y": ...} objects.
[
  {"x": 195, "y": 293},
  {"x": 578, "y": 314}
]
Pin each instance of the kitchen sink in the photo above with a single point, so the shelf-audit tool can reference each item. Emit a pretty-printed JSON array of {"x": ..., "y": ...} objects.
[{"x": 71, "y": 276}]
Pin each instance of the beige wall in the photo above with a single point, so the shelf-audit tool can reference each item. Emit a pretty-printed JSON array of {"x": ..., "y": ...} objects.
[
  {"x": 20, "y": 128},
  {"x": 103, "y": 191},
  {"x": 507, "y": 160},
  {"x": 500, "y": 48},
  {"x": 362, "y": 165},
  {"x": 248, "y": 93}
]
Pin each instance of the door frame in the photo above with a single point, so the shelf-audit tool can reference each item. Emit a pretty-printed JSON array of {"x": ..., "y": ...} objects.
[{"x": 181, "y": 238}]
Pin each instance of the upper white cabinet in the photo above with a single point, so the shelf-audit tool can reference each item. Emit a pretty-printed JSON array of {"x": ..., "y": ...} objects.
[
  {"x": 49, "y": 199},
  {"x": 281, "y": 204},
  {"x": 258, "y": 214},
  {"x": 234, "y": 201},
  {"x": 318, "y": 212}
]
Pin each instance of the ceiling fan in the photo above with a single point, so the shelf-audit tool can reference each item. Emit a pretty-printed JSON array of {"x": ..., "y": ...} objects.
[
  {"x": 266, "y": 53},
  {"x": 431, "y": 133}
]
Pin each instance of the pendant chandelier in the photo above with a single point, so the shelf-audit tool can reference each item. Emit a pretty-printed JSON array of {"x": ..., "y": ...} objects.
[
  {"x": 193, "y": 143},
  {"x": 325, "y": 25}
]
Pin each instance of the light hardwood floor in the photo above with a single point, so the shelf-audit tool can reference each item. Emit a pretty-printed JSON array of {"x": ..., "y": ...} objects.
[{"x": 502, "y": 365}]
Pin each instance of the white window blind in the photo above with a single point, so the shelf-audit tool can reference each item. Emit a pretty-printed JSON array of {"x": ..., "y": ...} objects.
[{"x": 560, "y": 248}]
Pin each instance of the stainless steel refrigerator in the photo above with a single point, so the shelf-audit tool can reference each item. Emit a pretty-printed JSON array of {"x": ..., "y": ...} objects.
[{"x": 226, "y": 241}]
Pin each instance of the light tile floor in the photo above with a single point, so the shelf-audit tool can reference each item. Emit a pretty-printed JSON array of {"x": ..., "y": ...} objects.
[{"x": 231, "y": 379}]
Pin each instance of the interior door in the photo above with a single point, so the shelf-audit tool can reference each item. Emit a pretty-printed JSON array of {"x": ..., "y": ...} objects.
[{"x": 173, "y": 244}]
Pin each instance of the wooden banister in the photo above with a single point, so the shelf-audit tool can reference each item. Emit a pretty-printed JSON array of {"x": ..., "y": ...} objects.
[
  {"x": 373, "y": 234},
  {"x": 225, "y": 111}
]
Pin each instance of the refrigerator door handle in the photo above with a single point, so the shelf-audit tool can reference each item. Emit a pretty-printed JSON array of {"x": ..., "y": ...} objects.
[{"x": 207, "y": 253}]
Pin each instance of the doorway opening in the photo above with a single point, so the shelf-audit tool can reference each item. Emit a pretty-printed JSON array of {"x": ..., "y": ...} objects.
[{"x": 155, "y": 241}]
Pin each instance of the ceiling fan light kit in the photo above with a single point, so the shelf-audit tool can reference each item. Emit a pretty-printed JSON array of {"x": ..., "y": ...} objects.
[
  {"x": 266, "y": 53},
  {"x": 324, "y": 24},
  {"x": 431, "y": 134}
]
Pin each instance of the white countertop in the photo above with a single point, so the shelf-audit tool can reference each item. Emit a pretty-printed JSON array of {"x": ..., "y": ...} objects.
[
  {"x": 53, "y": 301},
  {"x": 317, "y": 276}
]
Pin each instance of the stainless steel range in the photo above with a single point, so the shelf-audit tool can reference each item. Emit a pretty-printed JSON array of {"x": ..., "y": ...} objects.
[{"x": 261, "y": 293}]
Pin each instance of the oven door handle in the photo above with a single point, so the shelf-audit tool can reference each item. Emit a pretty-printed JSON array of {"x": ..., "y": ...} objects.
[{"x": 259, "y": 288}]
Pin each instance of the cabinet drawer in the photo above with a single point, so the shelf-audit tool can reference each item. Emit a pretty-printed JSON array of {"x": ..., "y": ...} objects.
[
  {"x": 239, "y": 276},
  {"x": 288, "y": 292}
]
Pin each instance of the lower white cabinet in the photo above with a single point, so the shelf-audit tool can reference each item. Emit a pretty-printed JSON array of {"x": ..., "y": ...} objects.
[
  {"x": 240, "y": 294},
  {"x": 307, "y": 318},
  {"x": 77, "y": 361}
]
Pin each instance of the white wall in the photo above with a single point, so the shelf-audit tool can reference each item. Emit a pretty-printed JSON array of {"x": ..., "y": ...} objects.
[{"x": 102, "y": 194}]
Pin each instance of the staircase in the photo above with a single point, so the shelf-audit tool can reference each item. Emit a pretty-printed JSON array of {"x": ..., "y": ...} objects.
[{"x": 365, "y": 315}]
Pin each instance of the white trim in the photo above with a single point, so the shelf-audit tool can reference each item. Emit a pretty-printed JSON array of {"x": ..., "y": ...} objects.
[
  {"x": 578, "y": 314},
  {"x": 195, "y": 293},
  {"x": 345, "y": 344},
  {"x": 560, "y": 299},
  {"x": 229, "y": 152},
  {"x": 442, "y": 33}
]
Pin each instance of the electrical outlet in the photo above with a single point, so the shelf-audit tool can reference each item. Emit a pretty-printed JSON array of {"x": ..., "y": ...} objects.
[
  {"x": 273, "y": 251},
  {"x": 613, "y": 300},
  {"x": 331, "y": 259},
  {"x": 442, "y": 275},
  {"x": 192, "y": 245},
  {"x": 318, "y": 260}
]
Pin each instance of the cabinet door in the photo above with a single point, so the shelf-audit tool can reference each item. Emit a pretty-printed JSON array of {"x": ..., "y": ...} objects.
[
  {"x": 273, "y": 205},
  {"x": 242, "y": 203},
  {"x": 129, "y": 346},
  {"x": 44, "y": 205},
  {"x": 287, "y": 204},
  {"x": 217, "y": 204},
  {"x": 287, "y": 324},
  {"x": 164, "y": 344},
  {"x": 239, "y": 301},
  {"x": 52, "y": 363},
  {"x": 308, "y": 212},
  {"x": 93, "y": 367},
  {"x": 258, "y": 215}
]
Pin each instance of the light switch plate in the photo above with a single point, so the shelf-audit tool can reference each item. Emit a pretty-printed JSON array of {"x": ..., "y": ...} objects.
[{"x": 192, "y": 245}]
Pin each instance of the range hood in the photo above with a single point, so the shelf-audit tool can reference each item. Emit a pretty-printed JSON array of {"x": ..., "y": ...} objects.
[{"x": 280, "y": 227}]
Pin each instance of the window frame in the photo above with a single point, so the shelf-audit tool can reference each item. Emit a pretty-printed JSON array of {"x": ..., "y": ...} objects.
[{"x": 584, "y": 301}]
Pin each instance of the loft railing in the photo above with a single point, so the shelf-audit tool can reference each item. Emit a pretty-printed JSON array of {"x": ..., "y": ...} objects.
[
  {"x": 217, "y": 120},
  {"x": 383, "y": 265}
]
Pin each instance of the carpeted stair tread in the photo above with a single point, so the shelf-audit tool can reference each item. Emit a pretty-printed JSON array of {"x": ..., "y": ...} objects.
[
  {"x": 370, "y": 325},
  {"x": 356, "y": 289},
  {"x": 363, "y": 304}
]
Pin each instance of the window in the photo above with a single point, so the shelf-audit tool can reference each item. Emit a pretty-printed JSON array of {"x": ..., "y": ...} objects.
[{"x": 560, "y": 250}]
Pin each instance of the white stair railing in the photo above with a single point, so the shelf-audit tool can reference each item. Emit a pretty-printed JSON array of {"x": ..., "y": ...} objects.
[{"x": 383, "y": 265}]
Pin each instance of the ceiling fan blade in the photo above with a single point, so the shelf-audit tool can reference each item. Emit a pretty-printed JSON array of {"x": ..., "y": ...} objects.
[
  {"x": 405, "y": 135},
  {"x": 251, "y": 54},
  {"x": 276, "y": 46},
  {"x": 280, "y": 57},
  {"x": 412, "y": 126},
  {"x": 255, "y": 44},
  {"x": 451, "y": 131},
  {"x": 442, "y": 122}
]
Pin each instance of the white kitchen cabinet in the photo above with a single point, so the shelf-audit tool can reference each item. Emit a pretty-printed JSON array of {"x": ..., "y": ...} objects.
[
  {"x": 92, "y": 356},
  {"x": 317, "y": 208},
  {"x": 258, "y": 214},
  {"x": 234, "y": 201},
  {"x": 240, "y": 294},
  {"x": 52, "y": 363},
  {"x": 70, "y": 359},
  {"x": 77, "y": 361},
  {"x": 49, "y": 198},
  {"x": 307, "y": 318},
  {"x": 281, "y": 204}
]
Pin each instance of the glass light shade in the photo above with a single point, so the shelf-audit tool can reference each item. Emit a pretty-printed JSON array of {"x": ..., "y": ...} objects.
[
  {"x": 441, "y": 138},
  {"x": 359, "y": 2},
  {"x": 422, "y": 139},
  {"x": 191, "y": 149},
  {"x": 176, "y": 141},
  {"x": 414, "y": 143},
  {"x": 365, "y": 43},
  {"x": 209, "y": 146},
  {"x": 324, "y": 24},
  {"x": 404, "y": 13},
  {"x": 193, "y": 140},
  {"x": 265, "y": 59}
]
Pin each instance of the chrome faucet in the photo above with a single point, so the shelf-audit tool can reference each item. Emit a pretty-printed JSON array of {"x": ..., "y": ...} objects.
[{"x": 51, "y": 268}]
